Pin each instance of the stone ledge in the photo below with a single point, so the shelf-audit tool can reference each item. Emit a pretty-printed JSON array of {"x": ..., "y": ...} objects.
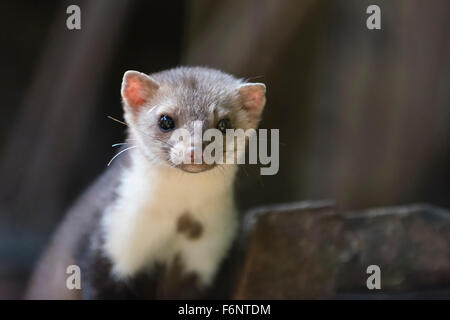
[{"x": 309, "y": 250}]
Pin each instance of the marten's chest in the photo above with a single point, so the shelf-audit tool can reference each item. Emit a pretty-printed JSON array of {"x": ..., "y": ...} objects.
[{"x": 187, "y": 229}]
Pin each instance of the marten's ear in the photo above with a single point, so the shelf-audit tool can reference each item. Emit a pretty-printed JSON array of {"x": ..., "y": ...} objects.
[
  {"x": 253, "y": 97},
  {"x": 137, "y": 89}
]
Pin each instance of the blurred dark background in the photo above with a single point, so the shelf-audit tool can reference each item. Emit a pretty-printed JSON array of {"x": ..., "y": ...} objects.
[{"x": 364, "y": 115}]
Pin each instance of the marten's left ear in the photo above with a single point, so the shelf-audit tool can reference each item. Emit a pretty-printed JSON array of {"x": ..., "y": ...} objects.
[
  {"x": 253, "y": 97},
  {"x": 137, "y": 89}
]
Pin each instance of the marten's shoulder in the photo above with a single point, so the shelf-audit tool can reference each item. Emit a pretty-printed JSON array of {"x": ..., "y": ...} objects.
[{"x": 48, "y": 280}]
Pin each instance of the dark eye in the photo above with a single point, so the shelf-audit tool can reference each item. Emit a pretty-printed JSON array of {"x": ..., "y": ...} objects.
[
  {"x": 166, "y": 123},
  {"x": 223, "y": 125}
]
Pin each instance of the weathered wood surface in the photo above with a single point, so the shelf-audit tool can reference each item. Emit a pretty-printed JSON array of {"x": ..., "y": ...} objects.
[{"x": 310, "y": 250}]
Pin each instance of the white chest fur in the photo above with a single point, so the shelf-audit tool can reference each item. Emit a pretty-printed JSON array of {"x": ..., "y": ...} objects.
[{"x": 140, "y": 228}]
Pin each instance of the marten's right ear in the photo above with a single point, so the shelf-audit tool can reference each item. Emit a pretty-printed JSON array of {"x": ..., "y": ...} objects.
[{"x": 137, "y": 89}]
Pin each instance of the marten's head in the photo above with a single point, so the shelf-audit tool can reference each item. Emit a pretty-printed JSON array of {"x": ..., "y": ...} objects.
[{"x": 162, "y": 108}]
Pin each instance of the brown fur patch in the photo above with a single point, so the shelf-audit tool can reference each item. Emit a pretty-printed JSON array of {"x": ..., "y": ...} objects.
[{"x": 189, "y": 226}]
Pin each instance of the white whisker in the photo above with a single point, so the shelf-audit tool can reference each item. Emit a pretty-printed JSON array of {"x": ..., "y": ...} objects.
[
  {"x": 117, "y": 120},
  {"x": 120, "y": 154},
  {"x": 118, "y": 144}
]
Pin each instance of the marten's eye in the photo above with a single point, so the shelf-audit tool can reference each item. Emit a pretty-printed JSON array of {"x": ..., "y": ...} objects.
[
  {"x": 166, "y": 123},
  {"x": 223, "y": 125}
]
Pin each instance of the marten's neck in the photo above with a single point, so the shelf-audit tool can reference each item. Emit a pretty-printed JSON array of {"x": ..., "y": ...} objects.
[{"x": 177, "y": 183}]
